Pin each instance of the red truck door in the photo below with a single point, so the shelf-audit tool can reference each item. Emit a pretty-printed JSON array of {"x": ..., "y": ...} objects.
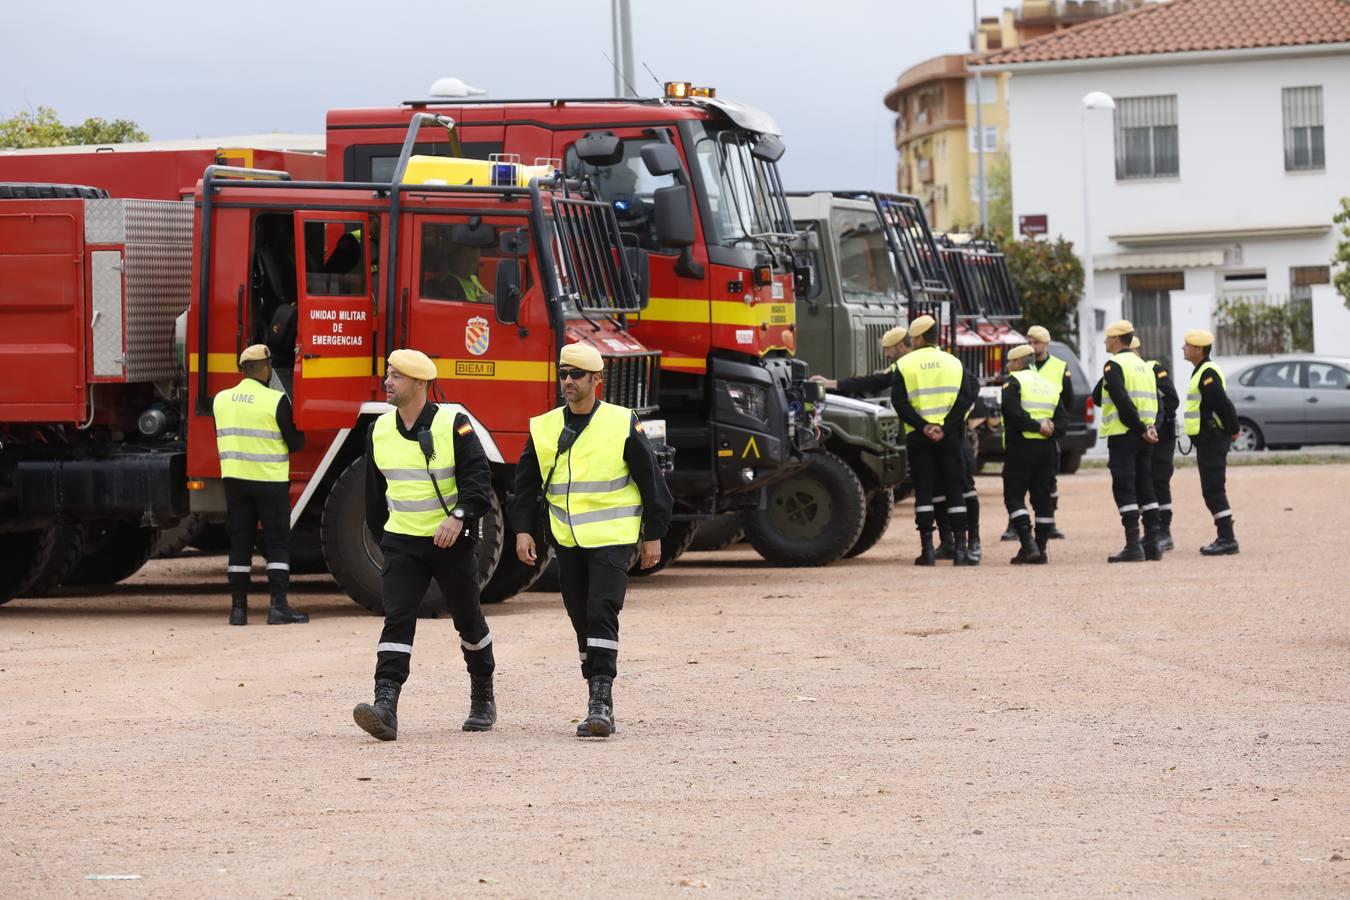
[{"x": 334, "y": 370}]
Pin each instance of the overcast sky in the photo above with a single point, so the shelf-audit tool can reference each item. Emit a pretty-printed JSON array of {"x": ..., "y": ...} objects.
[{"x": 188, "y": 69}]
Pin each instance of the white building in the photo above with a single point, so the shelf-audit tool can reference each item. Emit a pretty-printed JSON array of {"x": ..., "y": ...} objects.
[{"x": 1216, "y": 174}]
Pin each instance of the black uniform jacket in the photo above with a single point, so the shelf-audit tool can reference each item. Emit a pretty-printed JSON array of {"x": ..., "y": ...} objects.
[
  {"x": 1214, "y": 401},
  {"x": 642, "y": 466},
  {"x": 473, "y": 475}
]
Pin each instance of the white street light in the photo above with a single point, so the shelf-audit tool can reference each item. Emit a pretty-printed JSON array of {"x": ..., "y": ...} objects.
[{"x": 1094, "y": 100}]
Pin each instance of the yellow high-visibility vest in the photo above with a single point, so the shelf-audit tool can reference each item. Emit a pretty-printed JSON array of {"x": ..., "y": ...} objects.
[
  {"x": 1039, "y": 399},
  {"x": 1052, "y": 370},
  {"x": 1192, "y": 416},
  {"x": 932, "y": 381},
  {"x": 1142, "y": 386},
  {"x": 414, "y": 508},
  {"x": 248, "y": 438},
  {"x": 592, "y": 499}
]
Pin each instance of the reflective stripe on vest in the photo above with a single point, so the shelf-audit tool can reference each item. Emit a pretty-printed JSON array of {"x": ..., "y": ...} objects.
[
  {"x": 414, "y": 508},
  {"x": 1141, "y": 385},
  {"x": 1192, "y": 417},
  {"x": 592, "y": 499},
  {"x": 248, "y": 438},
  {"x": 932, "y": 381},
  {"x": 1039, "y": 399},
  {"x": 1052, "y": 370}
]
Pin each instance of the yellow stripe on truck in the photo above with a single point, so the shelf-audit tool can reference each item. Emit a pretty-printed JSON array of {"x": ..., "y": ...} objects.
[{"x": 724, "y": 312}]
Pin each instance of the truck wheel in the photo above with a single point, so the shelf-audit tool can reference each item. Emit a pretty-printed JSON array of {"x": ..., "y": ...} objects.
[
  {"x": 491, "y": 543},
  {"x": 512, "y": 576},
  {"x": 878, "y": 519},
  {"x": 1069, "y": 461},
  {"x": 811, "y": 518},
  {"x": 113, "y": 551},
  {"x": 67, "y": 550},
  {"x": 718, "y": 532},
  {"x": 25, "y": 554},
  {"x": 212, "y": 538},
  {"x": 177, "y": 538},
  {"x": 677, "y": 540},
  {"x": 306, "y": 548}
]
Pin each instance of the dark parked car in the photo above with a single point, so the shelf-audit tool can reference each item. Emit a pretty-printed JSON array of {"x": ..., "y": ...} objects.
[
  {"x": 1287, "y": 400},
  {"x": 1082, "y": 431}
]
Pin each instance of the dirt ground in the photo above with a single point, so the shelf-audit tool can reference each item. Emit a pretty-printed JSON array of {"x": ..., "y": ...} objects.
[{"x": 872, "y": 729}]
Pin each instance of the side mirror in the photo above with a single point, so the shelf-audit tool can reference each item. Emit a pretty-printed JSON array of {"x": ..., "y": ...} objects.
[
  {"x": 768, "y": 149},
  {"x": 508, "y": 291},
  {"x": 674, "y": 215},
  {"x": 600, "y": 148},
  {"x": 661, "y": 159},
  {"x": 806, "y": 276},
  {"x": 515, "y": 243},
  {"x": 473, "y": 234},
  {"x": 636, "y": 258}
]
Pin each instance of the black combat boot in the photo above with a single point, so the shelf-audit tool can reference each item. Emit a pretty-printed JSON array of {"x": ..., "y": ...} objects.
[
  {"x": 482, "y": 704},
  {"x": 1152, "y": 552},
  {"x": 380, "y": 719},
  {"x": 1029, "y": 553},
  {"x": 1044, "y": 533},
  {"x": 926, "y": 555},
  {"x": 1165, "y": 530},
  {"x": 1010, "y": 534},
  {"x": 283, "y": 614},
  {"x": 1133, "y": 550},
  {"x": 239, "y": 611},
  {"x": 961, "y": 555},
  {"x": 945, "y": 548},
  {"x": 974, "y": 551},
  {"x": 1055, "y": 533},
  {"x": 600, "y": 714},
  {"x": 1226, "y": 543}
]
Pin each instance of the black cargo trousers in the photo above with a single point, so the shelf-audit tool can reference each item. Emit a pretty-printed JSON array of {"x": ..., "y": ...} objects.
[
  {"x": 1130, "y": 460},
  {"x": 410, "y": 563},
  {"x": 594, "y": 581},
  {"x": 937, "y": 471},
  {"x": 248, "y": 504}
]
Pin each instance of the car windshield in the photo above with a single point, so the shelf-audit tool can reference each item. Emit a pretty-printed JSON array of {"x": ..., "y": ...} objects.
[
  {"x": 744, "y": 195},
  {"x": 865, "y": 265}
]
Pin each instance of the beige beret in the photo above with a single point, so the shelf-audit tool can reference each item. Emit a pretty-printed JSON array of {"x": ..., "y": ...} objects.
[
  {"x": 583, "y": 356},
  {"x": 921, "y": 325},
  {"x": 413, "y": 363},
  {"x": 1198, "y": 337},
  {"x": 893, "y": 337},
  {"x": 1119, "y": 327},
  {"x": 1038, "y": 333},
  {"x": 1020, "y": 351},
  {"x": 255, "y": 352},
  {"x": 1134, "y": 343}
]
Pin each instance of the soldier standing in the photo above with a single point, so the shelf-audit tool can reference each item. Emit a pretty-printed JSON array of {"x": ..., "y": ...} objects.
[
  {"x": 255, "y": 435},
  {"x": 1163, "y": 452},
  {"x": 1030, "y": 407},
  {"x": 427, "y": 483},
  {"x": 1212, "y": 424},
  {"x": 606, "y": 498},
  {"x": 1129, "y": 407}
]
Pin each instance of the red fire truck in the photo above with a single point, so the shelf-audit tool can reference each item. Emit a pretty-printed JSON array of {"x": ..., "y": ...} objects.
[
  {"x": 123, "y": 317},
  {"x": 743, "y": 419}
]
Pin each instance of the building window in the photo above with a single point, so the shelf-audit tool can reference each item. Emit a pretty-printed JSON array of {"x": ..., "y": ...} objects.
[
  {"x": 1304, "y": 147},
  {"x": 990, "y": 138},
  {"x": 1146, "y": 137},
  {"x": 988, "y": 91}
]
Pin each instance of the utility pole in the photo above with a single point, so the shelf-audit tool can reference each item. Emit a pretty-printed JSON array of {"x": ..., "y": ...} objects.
[
  {"x": 621, "y": 15},
  {"x": 979, "y": 117},
  {"x": 614, "y": 47}
]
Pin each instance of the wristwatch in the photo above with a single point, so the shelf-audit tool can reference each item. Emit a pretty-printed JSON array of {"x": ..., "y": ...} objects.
[{"x": 457, "y": 513}]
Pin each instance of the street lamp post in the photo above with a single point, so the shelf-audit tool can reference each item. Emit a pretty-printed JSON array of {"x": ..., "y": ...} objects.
[{"x": 1094, "y": 100}]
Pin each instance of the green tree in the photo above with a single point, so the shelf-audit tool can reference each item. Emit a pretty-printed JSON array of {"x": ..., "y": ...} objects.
[
  {"x": 1048, "y": 277},
  {"x": 1340, "y": 261},
  {"x": 998, "y": 186},
  {"x": 44, "y": 128}
]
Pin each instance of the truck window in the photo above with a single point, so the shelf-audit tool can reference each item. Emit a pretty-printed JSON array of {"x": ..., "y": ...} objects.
[
  {"x": 335, "y": 259},
  {"x": 454, "y": 271},
  {"x": 864, "y": 258},
  {"x": 743, "y": 194},
  {"x": 629, "y": 188}
]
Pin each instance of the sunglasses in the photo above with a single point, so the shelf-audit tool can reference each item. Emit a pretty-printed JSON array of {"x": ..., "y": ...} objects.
[{"x": 573, "y": 374}]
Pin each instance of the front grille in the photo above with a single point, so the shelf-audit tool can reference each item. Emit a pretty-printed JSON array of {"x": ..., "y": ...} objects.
[
  {"x": 631, "y": 380},
  {"x": 875, "y": 361}
]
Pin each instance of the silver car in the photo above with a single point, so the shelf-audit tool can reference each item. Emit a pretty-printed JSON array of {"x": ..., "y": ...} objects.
[{"x": 1287, "y": 400}]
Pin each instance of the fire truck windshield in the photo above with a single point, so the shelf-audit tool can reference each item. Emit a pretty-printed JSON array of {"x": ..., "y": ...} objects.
[{"x": 743, "y": 194}]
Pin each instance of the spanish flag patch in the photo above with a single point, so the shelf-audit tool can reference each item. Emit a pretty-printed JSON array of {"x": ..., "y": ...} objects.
[
  {"x": 1162, "y": 373},
  {"x": 1209, "y": 380},
  {"x": 466, "y": 428}
]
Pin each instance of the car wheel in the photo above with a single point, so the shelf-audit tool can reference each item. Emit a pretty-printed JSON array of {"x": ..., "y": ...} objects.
[{"x": 1249, "y": 437}]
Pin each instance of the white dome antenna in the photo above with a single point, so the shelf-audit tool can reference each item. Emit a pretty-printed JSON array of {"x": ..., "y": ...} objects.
[{"x": 453, "y": 87}]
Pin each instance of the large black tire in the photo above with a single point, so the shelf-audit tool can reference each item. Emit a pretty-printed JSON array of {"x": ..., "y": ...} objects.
[
  {"x": 67, "y": 550},
  {"x": 673, "y": 545},
  {"x": 113, "y": 551},
  {"x": 877, "y": 520},
  {"x": 355, "y": 559},
  {"x": 177, "y": 538},
  {"x": 16, "y": 190},
  {"x": 718, "y": 533},
  {"x": 306, "y": 548},
  {"x": 25, "y": 554},
  {"x": 512, "y": 576},
  {"x": 212, "y": 538},
  {"x": 1069, "y": 461},
  {"x": 811, "y": 518}
]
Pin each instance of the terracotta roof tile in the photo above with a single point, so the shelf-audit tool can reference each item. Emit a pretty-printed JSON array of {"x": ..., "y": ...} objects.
[{"x": 1190, "y": 25}]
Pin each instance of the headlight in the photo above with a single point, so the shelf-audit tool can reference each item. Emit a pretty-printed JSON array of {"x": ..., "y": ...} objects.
[{"x": 748, "y": 399}]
